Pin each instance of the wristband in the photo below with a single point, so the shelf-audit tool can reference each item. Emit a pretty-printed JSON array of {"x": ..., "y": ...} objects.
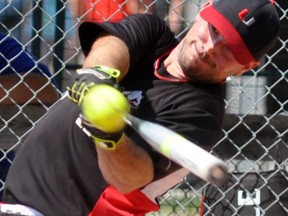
[
  {"x": 108, "y": 72},
  {"x": 108, "y": 144}
]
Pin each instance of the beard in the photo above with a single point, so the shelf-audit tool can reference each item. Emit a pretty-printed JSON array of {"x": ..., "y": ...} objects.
[{"x": 197, "y": 68}]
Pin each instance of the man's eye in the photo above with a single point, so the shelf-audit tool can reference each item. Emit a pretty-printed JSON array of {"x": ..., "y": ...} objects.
[{"x": 215, "y": 30}]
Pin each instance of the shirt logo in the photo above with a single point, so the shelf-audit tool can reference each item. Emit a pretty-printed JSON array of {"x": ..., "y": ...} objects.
[{"x": 134, "y": 98}]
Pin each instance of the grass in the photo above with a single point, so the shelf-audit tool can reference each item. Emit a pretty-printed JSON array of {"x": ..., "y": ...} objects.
[{"x": 180, "y": 203}]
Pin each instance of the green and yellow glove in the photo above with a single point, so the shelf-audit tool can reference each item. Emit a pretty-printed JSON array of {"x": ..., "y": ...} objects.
[
  {"x": 102, "y": 139},
  {"x": 85, "y": 78},
  {"x": 82, "y": 82}
]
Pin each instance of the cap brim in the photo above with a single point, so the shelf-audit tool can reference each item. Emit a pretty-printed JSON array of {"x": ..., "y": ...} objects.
[{"x": 238, "y": 48}]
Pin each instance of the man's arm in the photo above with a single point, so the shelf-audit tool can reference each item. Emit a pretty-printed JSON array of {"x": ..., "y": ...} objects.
[
  {"x": 109, "y": 51},
  {"x": 128, "y": 167}
]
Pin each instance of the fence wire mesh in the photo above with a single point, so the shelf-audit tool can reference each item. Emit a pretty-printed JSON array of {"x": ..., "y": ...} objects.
[{"x": 255, "y": 131}]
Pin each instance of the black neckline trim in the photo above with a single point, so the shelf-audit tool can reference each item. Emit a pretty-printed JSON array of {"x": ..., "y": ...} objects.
[{"x": 161, "y": 73}]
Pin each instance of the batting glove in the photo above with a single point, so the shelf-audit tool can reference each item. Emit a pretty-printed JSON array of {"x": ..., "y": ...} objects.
[
  {"x": 82, "y": 81},
  {"x": 102, "y": 139},
  {"x": 85, "y": 78}
]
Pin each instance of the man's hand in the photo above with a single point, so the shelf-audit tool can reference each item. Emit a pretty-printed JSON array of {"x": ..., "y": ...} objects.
[
  {"x": 85, "y": 78},
  {"x": 82, "y": 82},
  {"x": 102, "y": 139}
]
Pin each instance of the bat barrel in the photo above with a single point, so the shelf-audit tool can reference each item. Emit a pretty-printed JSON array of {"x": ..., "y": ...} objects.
[
  {"x": 218, "y": 175},
  {"x": 180, "y": 150}
]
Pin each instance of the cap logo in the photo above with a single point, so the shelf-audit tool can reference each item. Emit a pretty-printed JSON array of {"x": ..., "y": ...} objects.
[
  {"x": 249, "y": 22},
  {"x": 242, "y": 14}
]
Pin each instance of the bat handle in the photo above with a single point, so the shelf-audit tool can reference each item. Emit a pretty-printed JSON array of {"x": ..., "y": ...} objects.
[{"x": 132, "y": 121}]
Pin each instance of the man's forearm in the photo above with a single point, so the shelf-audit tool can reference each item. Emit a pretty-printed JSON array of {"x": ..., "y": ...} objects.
[
  {"x": 128, "y": 167},
  {"x": 109, "y": 51}
]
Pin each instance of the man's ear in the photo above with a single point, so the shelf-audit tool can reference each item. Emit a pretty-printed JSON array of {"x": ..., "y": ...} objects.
[
  {"x": 247, "y": 67},
  {"x": 251, "y": 65}
]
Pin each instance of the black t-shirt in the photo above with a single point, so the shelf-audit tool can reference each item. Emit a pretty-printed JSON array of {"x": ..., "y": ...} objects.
[{"x": 56, "y": 170}]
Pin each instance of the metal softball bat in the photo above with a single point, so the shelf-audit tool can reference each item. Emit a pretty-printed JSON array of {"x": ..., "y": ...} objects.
[{"x": 180, "y": 150}]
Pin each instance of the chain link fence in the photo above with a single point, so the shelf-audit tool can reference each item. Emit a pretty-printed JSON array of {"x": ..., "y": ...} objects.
[{"x": 255, "y": 131}]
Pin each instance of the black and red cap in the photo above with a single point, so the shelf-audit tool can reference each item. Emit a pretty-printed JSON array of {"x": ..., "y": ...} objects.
[{"x": 250, "y": 27}]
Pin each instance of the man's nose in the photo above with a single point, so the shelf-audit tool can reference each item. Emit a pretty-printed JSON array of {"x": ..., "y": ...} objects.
[{"x": 213, "y": 43}]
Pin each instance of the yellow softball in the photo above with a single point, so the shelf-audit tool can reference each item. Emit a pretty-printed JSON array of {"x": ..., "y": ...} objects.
[{"x": 105, "y": 107}]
